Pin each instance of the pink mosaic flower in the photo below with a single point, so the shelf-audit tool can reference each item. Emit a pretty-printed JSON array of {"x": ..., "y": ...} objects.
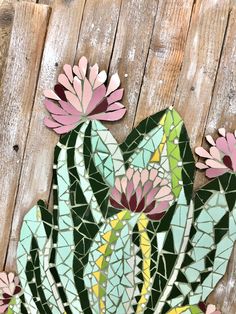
[
  {"x": 9, "y": 286},
  {"x": 142, "y": 191},
  {"x": 211, "y": 309},
  {"x": 221, "y": 157},
  {"x": 80, "y": 95}
]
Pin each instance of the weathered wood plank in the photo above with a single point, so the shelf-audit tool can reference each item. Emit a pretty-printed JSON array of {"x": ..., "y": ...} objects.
[
  {"x": 98, "y": 31},
  {"x": 200, "y": 65},
  {"x": 130, "y": 55},
  {"x": 223, "y": 114},
  {"x": 36, "y": 174},
  {"x": 165, "y": 57},
  {"x": 18, "y": 90},
  {"x": 6, "y": 20},
  {"x": 60, "y": 48}
]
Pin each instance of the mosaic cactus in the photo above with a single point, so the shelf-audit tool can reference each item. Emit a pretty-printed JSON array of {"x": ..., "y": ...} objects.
[{"x": 127, "y": 234}]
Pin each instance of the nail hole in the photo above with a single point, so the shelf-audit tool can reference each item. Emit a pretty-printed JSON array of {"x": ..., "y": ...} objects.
[{"x": 16, "y": 148}]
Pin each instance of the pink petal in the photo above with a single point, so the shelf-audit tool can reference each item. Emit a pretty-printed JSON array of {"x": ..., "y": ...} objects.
[
  {"x": 53, "y": 108},
  {"x": 136, "y": 179},
  {"x": 231, "y": 139},
  {"x": 81, "y": 70},
  {"x": 200, "y": 165},
  {"x": 129, "y": 173},
  {"x": 69, "y": 108},
  {"x": 3, "y": 277},
  {"x": 118, "y": 184},
  {"x": 159, "y": 208},
  {"x": 147, "y": 187},
  {"x": 78, "y": 87},
  {"x": 116, "y": 195},
  {"x": 64, "y": 129},
  {"x": 66, "y": 120},
  {"x": 124, "y": 182},
  {"x": 114, "y": 84},
  {"x": 222, "y": 145},
  {"x": 63, "y": 80},
  {"x": 210, "y": 140},
  {"x": 115, "y": 96},
  {"x": 101, "y": 78},
  {"x": 215, "y": 164},
  {"x": 130, "y": 189},
  {"x": 213, "y": 173},
  {"x": 144, "y": 176},
  {"x": 93, "y": 73},
  {"x": 157, "y": 181},
  {"x": 222, "y": 131},
  {"x": 68, "y": 70},
  {"x": 202, "y": 152},
  {"x": 74, "y": 100},
  {"x": 115, "y": 106},
  {"x": 215, "y": 153},
  {"x": 87, "y": 94},
  {"x": 139, "y": 193},
  {"x": 3, "y": 308},
  {"x": 98, "y": 95},
  {"x": 151, "y": 196},
  {"x": 51, "y": 94},
  {"x": 50, "y": 123},
  {"x": 164, "y": 191},
  {"x": 109, "y": 116},
  {"x": 153, "y": 174},
  {"x": 11, "y": 277}
]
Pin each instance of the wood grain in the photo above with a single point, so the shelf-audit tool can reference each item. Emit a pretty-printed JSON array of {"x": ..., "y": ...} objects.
[
  {"x": 60, "y": 48},
  {"x": 130, "y": 55},
  {"x": 165, "y": 57},
  {"x": 98, "y": 31},
  {"x": 6, "y": 20},
  {"x": 200, "y": 65},
  {"x": 16, "y": 99}
]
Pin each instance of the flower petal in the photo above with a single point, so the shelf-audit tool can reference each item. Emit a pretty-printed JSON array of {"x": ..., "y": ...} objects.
[
  {"x": 74, "y": 100},
  {"x": 215, "y": 153},
  {"x": 213, "y": 173},
  {"x": 222, "y": 131},
  {"x": 87, "y": 94},
  {"x": 53, "y": 108},
  {"x": 78, "y": 87},
  {"x": 51, "y": 94},
  {"x": 64, "y": 129},
  {"x": 93, "y": 73},
  {"x": 68, "y": 70},
  {"x": 101, "y": 78},
  {"x": 200, "y": 151},
  {"x": 201, "y": 165},
  {"x": 115, "y": 96},
  {"x": 210, "y": 140},
  {"x": 109, "y": 116},
  {"x": 114, "y": 84},
  {"x": 222, "y": 145},
  {"x": 98, "y": 95},
  {"x": 63, "y": 80},
  {"x": 215, "y": 164},
  {"x": 66, "y": 120},
  {"x": 81, "y": 70},
  {"x": 50, "y": 123},
  {"x": 69, "y": 108}
]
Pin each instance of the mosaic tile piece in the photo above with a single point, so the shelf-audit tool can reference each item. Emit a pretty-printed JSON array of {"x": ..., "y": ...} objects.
[{"x": 127, "y": 234}]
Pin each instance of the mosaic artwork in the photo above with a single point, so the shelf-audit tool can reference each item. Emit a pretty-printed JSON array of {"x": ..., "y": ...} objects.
[{"x": 127, "y": 234}]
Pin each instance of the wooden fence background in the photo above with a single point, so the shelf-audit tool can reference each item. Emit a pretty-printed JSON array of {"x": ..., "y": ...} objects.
[{"x": 167, "y": 52}]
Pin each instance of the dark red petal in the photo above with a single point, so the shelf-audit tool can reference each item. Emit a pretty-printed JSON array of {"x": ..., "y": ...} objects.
[
  {"x": 202, "y": 306},
  {"x": 140, "y": 205},
  {"x": 124, "y": 201},
  {"x": 150, "y": 207},
  {"x": 101, "y": 107},
  {"x": 115, "y": 204},
  {"x": 133, "y": 202},
  {"x": 156, "y": 216},
  {"x": 60, "y": 91},
  {"x": 228, "y": 162},
  {"x": 17, "y": 290}
]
